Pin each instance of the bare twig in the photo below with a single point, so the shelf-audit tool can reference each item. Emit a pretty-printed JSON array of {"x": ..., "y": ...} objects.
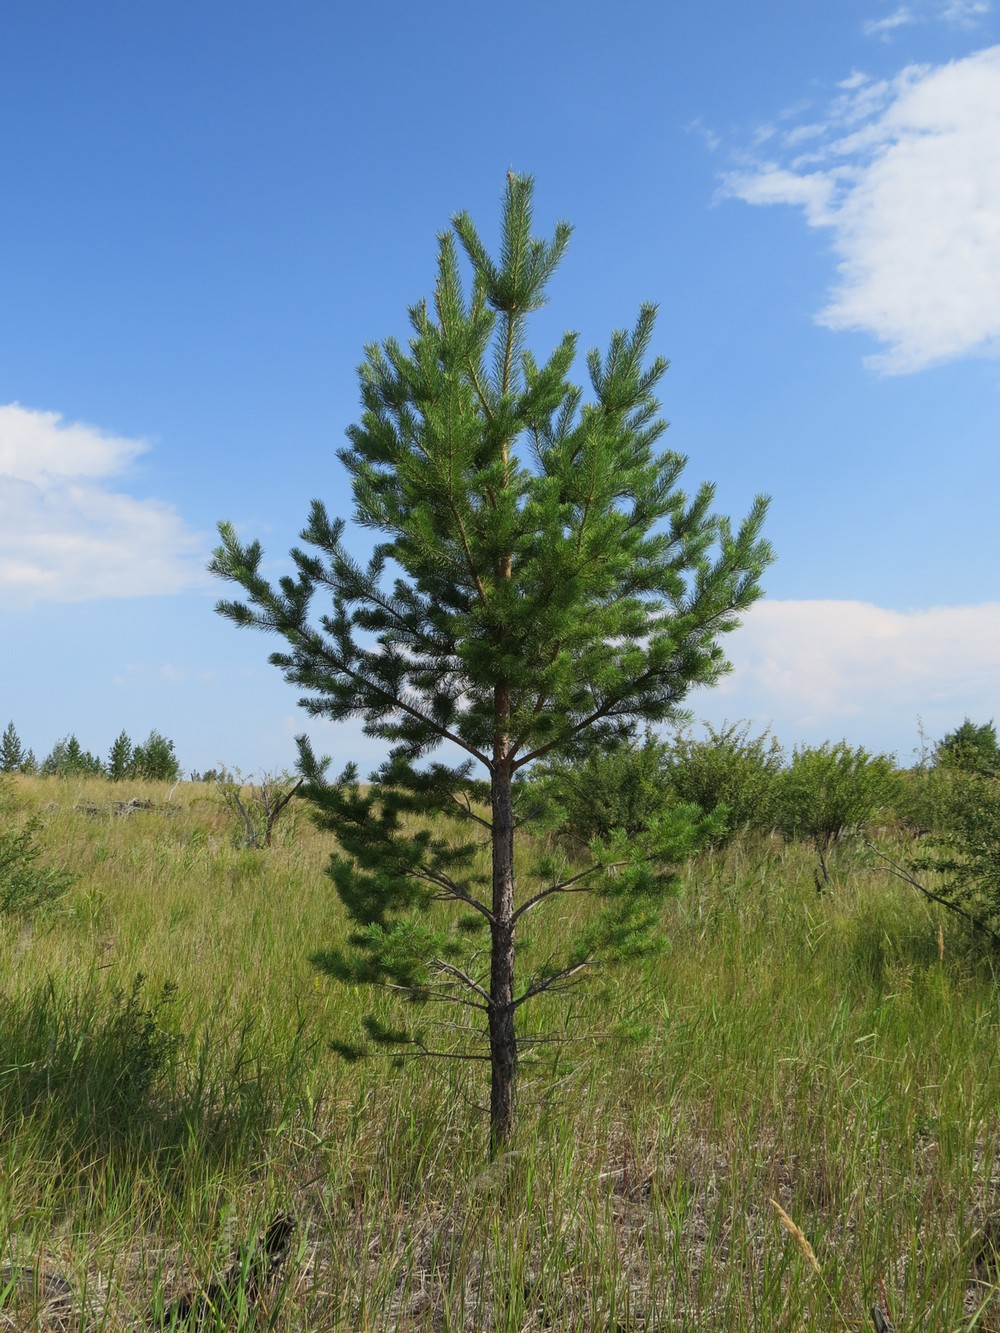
[
  {"x": 564, "y": 887},
  {"x": 450, "y": 970},
  {"x": 554, "y": 982}
]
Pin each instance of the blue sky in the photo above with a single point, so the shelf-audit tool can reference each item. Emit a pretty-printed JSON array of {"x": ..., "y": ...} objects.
[{"x": 208, "y": 210}]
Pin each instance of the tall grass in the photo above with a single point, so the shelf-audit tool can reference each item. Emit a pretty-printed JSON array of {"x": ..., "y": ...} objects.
[{"x": 167, "y": 1084}]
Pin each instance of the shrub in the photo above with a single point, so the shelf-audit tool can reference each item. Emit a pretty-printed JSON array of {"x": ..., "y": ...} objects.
[
  {"x": 970, "y": 748},
  {"x": 24, "y": 884},
  {"x": 89, "y": 1060},
  {"x": 155, "y": 760},
  {"x": 832, "y": 790},
  {"x": 925, "y": 798},
  {"x": 255, "y": 806},
  {"x": 728, "y": 768},
  {"x": 624, "y": 787}
]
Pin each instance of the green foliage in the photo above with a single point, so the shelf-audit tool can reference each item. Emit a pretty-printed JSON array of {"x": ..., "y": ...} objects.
[
  {"x": 12, "y": 755},
  {"x": 971, "y": 748},
  {"x": 390, "y": 870},
  {"x": 967, "y": 854},
  {"x": 833, "y": 789},
  {"x": 155, "y": 760},
  {"x": 24, "y": 884},
  {"x": 925, "y": 797},
  {"x": 637, "y": 872},
  {"x": 89, "y": 1059},
  {"x": 728, "y": 768},
  {"x": 541, "y": 587},
  {"x": 622, "y": 787},
  {"x": 68, "y": 759},
  {"x": 121, "y": 759}
]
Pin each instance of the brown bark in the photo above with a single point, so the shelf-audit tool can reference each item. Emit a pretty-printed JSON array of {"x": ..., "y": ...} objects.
[{"x": 503, "y": 1039}]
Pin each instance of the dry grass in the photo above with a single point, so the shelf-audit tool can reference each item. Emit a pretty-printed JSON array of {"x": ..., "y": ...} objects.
[{"x": 835, "y": 1055}]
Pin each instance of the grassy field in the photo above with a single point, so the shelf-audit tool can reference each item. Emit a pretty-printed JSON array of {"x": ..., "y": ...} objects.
[{"x": 166, "y": 1086}]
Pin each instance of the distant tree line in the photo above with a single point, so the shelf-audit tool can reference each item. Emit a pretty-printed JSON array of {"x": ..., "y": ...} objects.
[{"x": 154, "y": 759}]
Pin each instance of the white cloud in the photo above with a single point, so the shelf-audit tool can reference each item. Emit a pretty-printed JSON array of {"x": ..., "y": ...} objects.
[
  {"x": 772, "y": 184},
  {"x": 966, "y": 13},
  {"x": 959, "y": 13},
  {"x": 884, "y": 27},
  {"x": 824, "y": 669},
  {"x": 906, "y": 176},
  {"x": 65, "y": 534}
]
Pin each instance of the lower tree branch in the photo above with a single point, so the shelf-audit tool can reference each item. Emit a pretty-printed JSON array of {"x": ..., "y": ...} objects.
[
  {"x": 554, "y": 981},
  {"x": 566, "y": 886},
  {"x": 449, "y": 970},
  {"x": 907, "y": 878}
]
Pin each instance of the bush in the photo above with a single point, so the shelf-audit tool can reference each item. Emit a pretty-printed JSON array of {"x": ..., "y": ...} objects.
[
  {"x": 970, "y": 748},
  {"x": 155, "y": 760},
  {"x": 624, "y": 787},
  {"x": 925, "y": 798},
  {"x": 93, "y": 1062},
  {"x": 832, "y": 790},
  {"x": 255, "y": 806},
  {"x": 24, "y": 885},
  {"x": 731, "y": 769}
]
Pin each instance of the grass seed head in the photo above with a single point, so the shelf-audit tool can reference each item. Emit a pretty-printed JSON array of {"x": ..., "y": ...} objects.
[{"x": 796, "y": 1234}]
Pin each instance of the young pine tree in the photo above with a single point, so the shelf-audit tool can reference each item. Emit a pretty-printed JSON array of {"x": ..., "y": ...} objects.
[
  {"x": 121, "y": 758},
  {"x": 541, "y": 587},
  {"x": 12, "y": 755},
  {"x": 68, "y": 759}
]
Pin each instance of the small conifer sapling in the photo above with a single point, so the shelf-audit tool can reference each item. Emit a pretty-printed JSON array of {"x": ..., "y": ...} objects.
[
  {"x": 541, "y": 587},
  {"x": 12, "y": 755}
]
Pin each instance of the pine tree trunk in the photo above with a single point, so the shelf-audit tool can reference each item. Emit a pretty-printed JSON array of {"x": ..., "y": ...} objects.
[{"x": 503, "y": 1041}]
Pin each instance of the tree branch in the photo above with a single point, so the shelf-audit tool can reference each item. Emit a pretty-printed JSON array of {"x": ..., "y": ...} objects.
[
  {"x": 451, "y": 890},
  {"x": 461, "y": 976},
  {"x": 468, "y": 813},
  {"x": 440, "y": 997},
  {"x": 396, "y": 702},
  {"x": 423, "y": 1051},
  {"x": 547, "y": 983},
  {"x": 564, "y": 887},
  {"x": 604, "y": 711},
  {"x": 907, "y": 878}
]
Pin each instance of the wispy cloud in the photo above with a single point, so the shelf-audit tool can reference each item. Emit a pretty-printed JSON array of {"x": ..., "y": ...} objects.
[
  {"x": 822, "y": 669},
  {"x": 708, "y": 137},
  {"x": 66, "y": 534},
  {"x": 958, "y": 13},
  {"x": 885, "y": 27},
  {"x": 966, "y": 13},
  {"x": 906, "y": 175}
]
